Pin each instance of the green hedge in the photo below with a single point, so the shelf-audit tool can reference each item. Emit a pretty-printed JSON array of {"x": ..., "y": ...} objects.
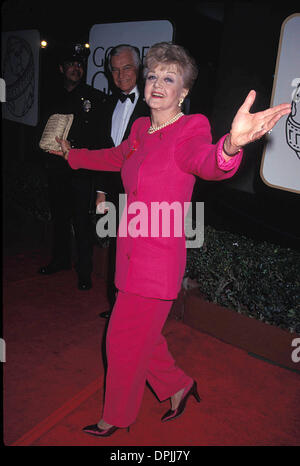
[{"x": 258, "y": 279}]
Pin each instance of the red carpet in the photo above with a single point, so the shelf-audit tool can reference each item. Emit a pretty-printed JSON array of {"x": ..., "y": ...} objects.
[{"x": 53, "y": 375}]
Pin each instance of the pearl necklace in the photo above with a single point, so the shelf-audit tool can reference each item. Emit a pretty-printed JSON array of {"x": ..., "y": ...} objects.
[{"x": 152, "y": 128}]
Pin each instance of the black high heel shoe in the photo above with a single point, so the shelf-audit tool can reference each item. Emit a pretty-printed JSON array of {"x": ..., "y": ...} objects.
[
  {"x": 174, "y": 413},
  {"x": 95, "y": 430}
]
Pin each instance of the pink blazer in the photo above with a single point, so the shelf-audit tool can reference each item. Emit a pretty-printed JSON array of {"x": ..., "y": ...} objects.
[{"x": 158, "y": 167}]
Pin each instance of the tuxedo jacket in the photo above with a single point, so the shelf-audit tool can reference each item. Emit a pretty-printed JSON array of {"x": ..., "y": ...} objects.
[
  {"x": 107, "y": 181},
  {"x": 157, "y": 170}
]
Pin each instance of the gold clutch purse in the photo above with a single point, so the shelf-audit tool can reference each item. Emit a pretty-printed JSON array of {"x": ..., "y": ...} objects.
[{"x": 59, "y": 126}]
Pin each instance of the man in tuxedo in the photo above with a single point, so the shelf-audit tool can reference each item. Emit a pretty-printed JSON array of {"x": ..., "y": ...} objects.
[
  {"x": 125, "y": 106},
  {"x": 72, "y": 193}
]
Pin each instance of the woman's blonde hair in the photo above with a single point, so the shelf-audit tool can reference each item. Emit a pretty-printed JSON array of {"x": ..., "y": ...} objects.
[{"x": 168, "y": 53}]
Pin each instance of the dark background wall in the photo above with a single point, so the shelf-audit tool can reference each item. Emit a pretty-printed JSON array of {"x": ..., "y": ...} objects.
[{"x": 235, "y": 45}]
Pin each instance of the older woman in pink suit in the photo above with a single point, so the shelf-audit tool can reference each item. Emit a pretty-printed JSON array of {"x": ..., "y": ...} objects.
[{"x": 158, "y": 162}]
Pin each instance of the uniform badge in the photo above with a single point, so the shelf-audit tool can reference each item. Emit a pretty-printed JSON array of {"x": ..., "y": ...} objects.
[{"x": 86, "y": 105}]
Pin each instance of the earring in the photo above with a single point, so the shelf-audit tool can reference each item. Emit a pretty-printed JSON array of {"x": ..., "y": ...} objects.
[{"x": 180, "y": 102}]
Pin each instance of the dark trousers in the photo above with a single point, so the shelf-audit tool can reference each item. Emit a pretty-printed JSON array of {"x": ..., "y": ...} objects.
[
  {"x": 70, "y": 203},
  {"x": 111, "y": 288}
]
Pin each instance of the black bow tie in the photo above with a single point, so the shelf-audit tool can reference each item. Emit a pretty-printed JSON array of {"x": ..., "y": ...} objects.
[{"x": 123, "y": 97}]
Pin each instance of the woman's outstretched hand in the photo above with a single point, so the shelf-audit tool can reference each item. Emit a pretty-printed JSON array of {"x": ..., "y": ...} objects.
[
  {"x": 248, "y": 127},
  {"x": 65, "y": 147}
]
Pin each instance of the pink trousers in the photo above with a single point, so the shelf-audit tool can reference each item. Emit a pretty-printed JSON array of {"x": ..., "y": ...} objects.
[{"x": 137, "y": 352}]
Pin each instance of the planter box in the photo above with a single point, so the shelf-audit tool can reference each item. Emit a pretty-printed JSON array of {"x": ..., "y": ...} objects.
[{"x": 262, "y": 340}]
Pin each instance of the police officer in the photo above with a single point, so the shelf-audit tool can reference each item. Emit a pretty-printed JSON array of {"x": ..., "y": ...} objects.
[{"x": 72, "y": 192}]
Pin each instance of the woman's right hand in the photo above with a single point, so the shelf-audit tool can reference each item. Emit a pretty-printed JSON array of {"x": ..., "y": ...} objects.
[{"x": 65, "y": 148}]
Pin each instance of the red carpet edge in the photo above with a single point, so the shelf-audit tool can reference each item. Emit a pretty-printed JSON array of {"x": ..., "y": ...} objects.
[{"x": 44, "y": 426}]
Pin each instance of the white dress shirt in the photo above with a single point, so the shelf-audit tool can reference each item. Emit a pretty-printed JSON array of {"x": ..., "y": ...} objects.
[
  {"x": 120, "y": 119},
  {"x": 121, "y": 116}
]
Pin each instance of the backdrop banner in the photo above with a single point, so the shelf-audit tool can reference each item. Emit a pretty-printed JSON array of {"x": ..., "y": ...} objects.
[
  {"x": 103, "y": 37},
  {"x": 280, "y": 166},
  {"x": 20, "y": 73}
]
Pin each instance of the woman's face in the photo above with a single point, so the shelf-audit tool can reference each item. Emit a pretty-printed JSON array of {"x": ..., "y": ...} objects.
[{"x": 164, "y": 88}]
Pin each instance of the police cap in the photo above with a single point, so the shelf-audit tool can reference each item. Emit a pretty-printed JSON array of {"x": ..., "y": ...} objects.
[{"x": 78, "y": 52}]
